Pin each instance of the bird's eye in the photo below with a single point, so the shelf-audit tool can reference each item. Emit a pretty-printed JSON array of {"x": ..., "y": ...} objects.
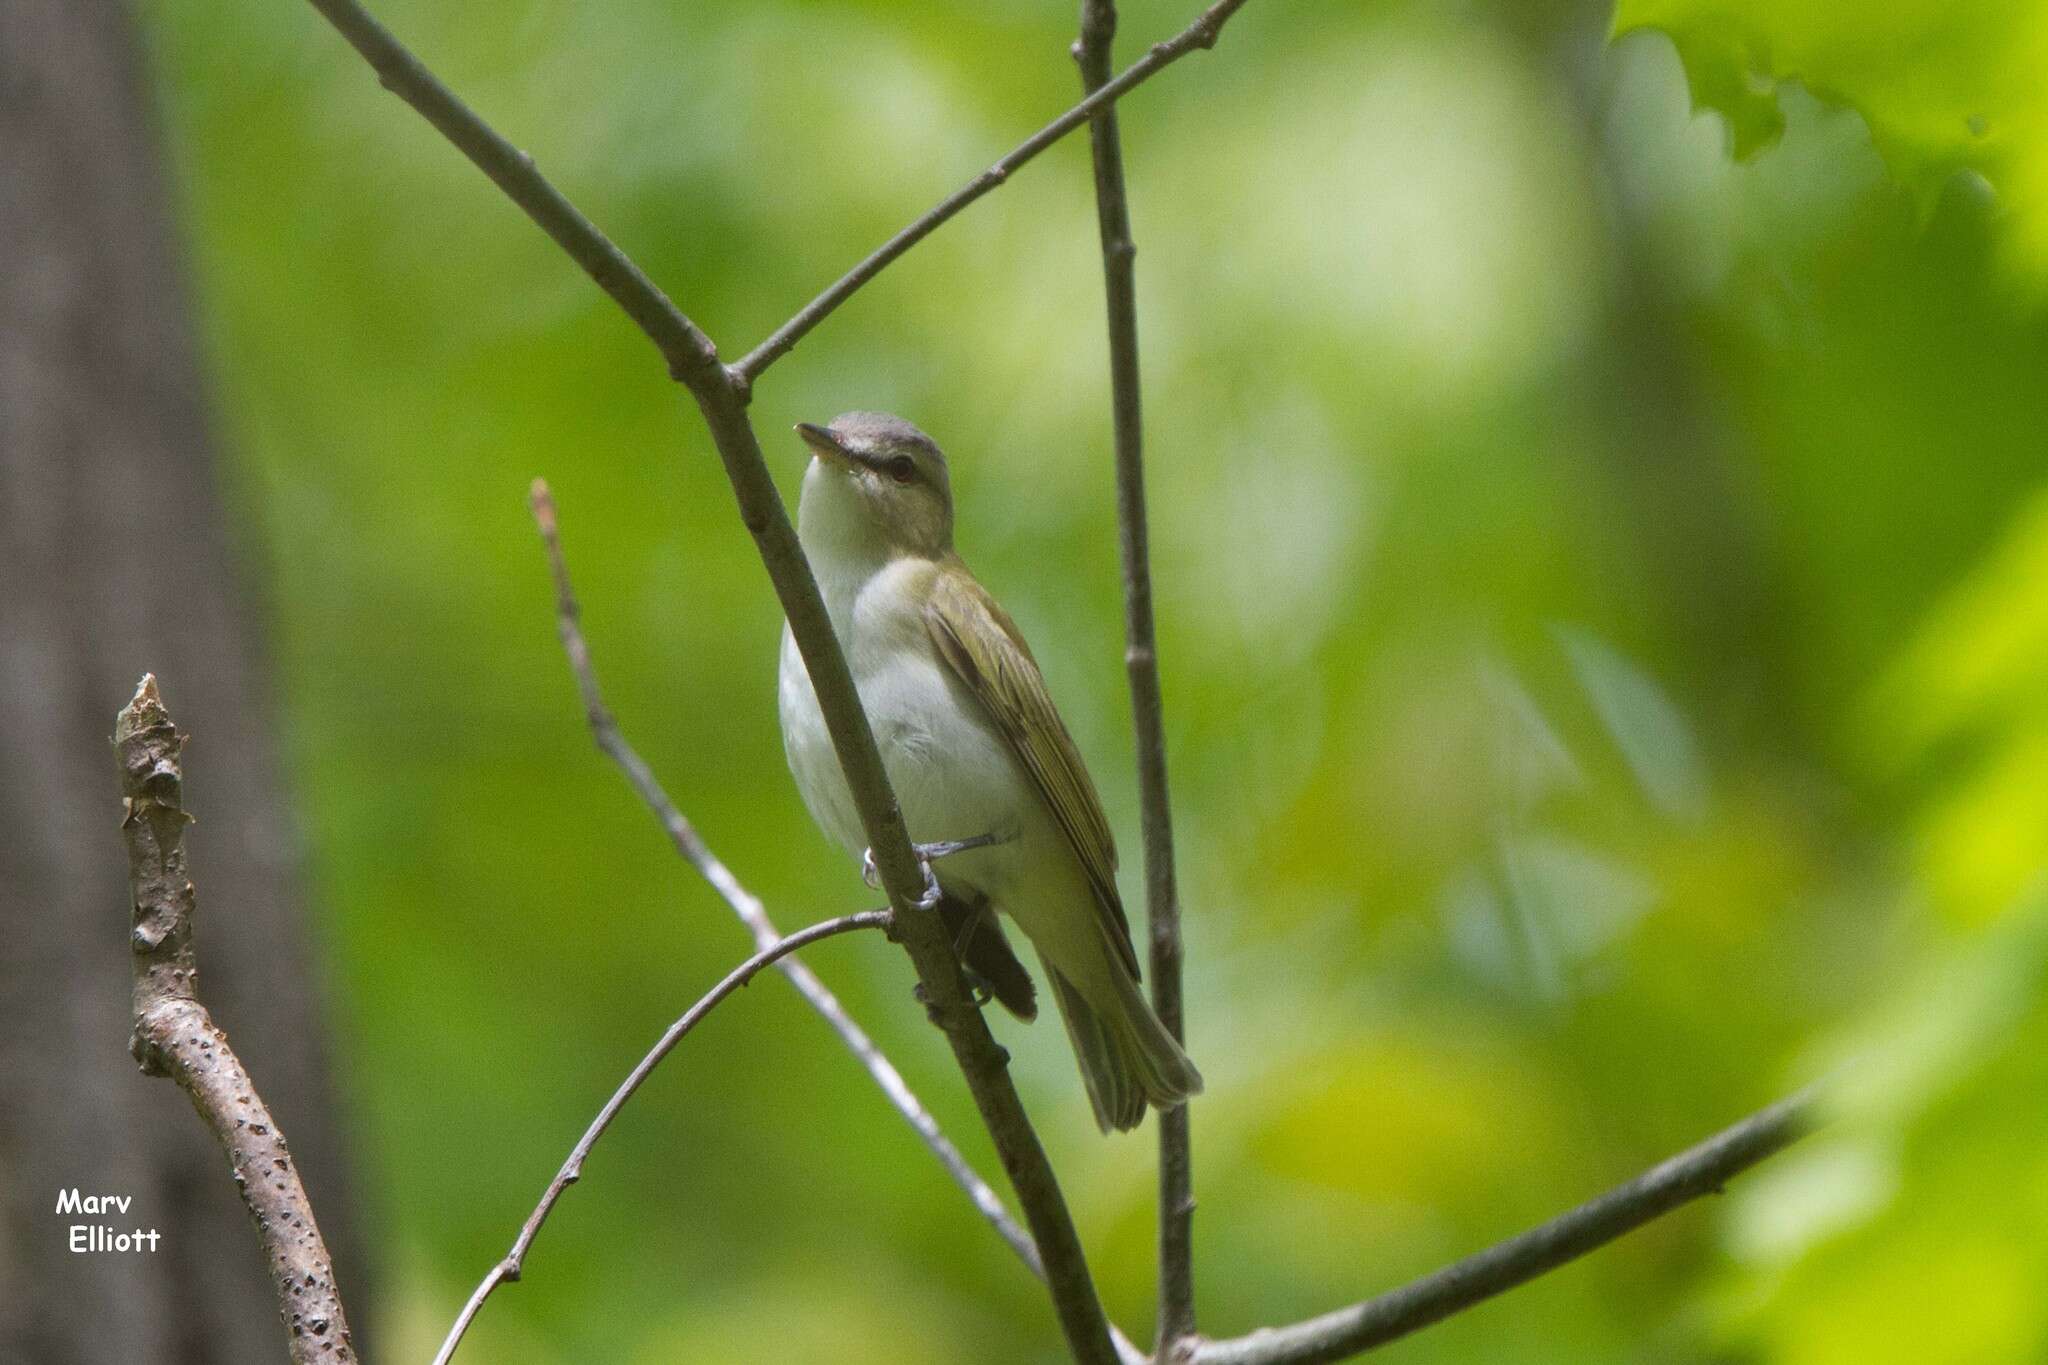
[{"x": 902, "y": 468}]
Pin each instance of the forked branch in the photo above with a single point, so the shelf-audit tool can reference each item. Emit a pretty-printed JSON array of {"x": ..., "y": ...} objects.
[
  {"x": 176, "y": 1037},
  {"x": 1201, "y": 34},
  {"x": 691, "y": 357},
  {"x": 721, "y": 399}
]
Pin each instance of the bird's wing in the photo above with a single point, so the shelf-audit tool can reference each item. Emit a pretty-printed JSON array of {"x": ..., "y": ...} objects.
[{"x": 981, "y": 644}]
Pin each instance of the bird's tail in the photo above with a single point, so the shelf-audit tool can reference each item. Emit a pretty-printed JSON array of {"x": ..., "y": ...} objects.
[{"x": 1127, "y": 1057}]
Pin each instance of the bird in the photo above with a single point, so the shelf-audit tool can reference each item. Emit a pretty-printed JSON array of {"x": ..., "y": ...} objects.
[{"x": 992, "y": 787}]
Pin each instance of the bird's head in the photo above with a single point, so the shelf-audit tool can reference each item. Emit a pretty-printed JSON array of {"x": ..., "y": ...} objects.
[{"x": 875, "y": 482}]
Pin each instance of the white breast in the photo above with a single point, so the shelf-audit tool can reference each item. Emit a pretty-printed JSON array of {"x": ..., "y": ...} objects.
[
  {"x": 954, "y": 776},
  {"x": 809, "y": 750}
]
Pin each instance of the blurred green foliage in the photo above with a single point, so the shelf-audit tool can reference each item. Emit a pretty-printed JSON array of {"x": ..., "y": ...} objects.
[
  {"x": 1943, "y": 87},
  {"x": 1604, "y": 608}
]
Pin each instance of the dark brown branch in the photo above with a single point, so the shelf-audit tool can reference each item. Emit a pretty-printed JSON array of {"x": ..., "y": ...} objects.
[
  {"x": 175, "y": 1037},
  {"x": 1701, "y": 1170},
  {"x": 1141, "y": 659},
  {"x": 721, "y": 398},
  {"x": 514, "y": 1264},
  {"x": 1200, "y": 34}
]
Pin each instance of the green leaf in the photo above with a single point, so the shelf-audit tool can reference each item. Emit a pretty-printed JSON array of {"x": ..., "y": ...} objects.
[{"x": 1944, "y": 86}]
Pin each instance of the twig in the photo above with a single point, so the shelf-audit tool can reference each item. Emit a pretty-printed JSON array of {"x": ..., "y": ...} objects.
[
  {"x": 175, "y": 1037},
  {"x": 1200, "y": 34},
  {"x": 721, "y": 399},
  {"x": 1141, "y": 661},
  {"x": 691, "y": 357},
  {"x": 1701, "y": 1170},
  {"x": 512, "y": 1266}
]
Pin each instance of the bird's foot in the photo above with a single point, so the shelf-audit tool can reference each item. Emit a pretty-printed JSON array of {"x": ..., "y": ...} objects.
[
  {"x": 870, "y": 874},
  {"x": 978, "y": 991},
  {"x": 930, "y": 899},
  {"x": 946, "y": 848},
  {"x": 927, "y": 854}
]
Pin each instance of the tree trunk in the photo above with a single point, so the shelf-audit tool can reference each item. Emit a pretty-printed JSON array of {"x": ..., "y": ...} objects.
[{"x": 115, "y": 558}]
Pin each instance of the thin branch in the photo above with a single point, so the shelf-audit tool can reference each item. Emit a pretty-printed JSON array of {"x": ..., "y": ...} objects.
[
  {"x": 509, "y": 1269},
  {"x": 1141, "y": 660},
  {"x": 1698, "y": 1171},
  {"x": 175, "y": 1036},
  {"x": 1202, "y": 33},
  {"x": 691, "y": 357},
  {"x": 721, "y": 399}
]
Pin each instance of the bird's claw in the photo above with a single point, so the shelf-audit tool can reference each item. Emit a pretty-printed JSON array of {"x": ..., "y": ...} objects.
[
  {"x": 931, "y": 1011},
  {"x": 872, "y": 875},
  {"x": 930, "y": 899},
  {"x": 927, "y": 854},
  {"x": 978, "y": 995}
]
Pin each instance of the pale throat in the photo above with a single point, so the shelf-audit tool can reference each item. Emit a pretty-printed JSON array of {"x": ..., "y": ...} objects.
[{"x": 840, "y": 536}]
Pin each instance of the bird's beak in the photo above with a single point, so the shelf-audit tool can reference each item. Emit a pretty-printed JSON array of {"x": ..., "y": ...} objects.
[{"x": 823, "y": 443}]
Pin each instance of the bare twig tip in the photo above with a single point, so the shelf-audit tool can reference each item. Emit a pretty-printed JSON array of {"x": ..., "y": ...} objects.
[
  {"x": 144, "y": 710},
  {"x": 541, "y": 503},
  {"x": 174, "y": 1036}
]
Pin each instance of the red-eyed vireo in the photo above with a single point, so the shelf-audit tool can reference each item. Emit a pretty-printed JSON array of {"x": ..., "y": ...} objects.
[{"x": 991, "y": 785}]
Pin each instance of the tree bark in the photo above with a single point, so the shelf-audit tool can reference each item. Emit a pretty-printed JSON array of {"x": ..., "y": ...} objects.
[{"x": 115, "y": 558}]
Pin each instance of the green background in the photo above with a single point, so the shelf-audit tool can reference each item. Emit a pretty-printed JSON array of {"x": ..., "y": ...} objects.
[{"x": 1603, "y": 594}]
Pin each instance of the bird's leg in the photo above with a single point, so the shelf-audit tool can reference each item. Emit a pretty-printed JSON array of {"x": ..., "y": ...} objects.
[
  {"x": 927, "y": 854},
  {"x": 946, "y": 848},
  {"x": 873, "y": 877}
]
